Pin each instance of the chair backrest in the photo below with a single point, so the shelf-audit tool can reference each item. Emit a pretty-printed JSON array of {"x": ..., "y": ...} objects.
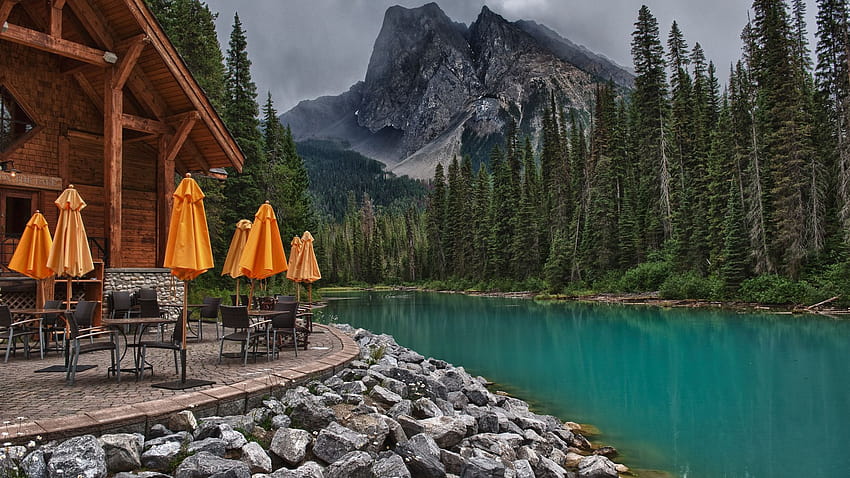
[
  {"x": 50, "y": 319},
  {"x": 286, "y": 319},
  {"x": 84, "y": 313},
  {"x": 120, "y": 300},
  {"x": 5, "y": 316},
  {"x": 177, "y": 334},
  {"x": 146, "y": 294},
  {"x": 235, "y": 317},
  {"x": 243, "y": 299},
  {"x": 284, "y": 298},
  {"x": 148, "y": 308},
  {"x": 210, "y": 308}
]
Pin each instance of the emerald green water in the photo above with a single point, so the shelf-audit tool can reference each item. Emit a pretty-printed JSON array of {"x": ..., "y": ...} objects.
[{"x": 697, "y": 393}]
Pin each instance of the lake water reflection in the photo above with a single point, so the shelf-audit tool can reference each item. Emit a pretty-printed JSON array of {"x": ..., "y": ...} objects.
[{"x": 696, "y": 392}]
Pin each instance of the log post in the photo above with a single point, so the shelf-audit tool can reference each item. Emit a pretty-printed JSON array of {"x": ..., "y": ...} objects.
[
  {"x": 113, "y": 106},
  {"x": 165, "y": 171}
]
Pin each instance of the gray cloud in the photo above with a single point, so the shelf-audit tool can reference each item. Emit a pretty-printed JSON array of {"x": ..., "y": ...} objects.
[{"x": 302, "y": 49}]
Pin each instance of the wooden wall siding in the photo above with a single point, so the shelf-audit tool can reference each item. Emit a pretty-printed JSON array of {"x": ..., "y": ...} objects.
[{"x": 139, "y": 225}]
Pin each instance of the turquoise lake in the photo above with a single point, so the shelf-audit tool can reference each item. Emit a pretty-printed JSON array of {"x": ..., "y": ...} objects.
[{"x": 697, "y": 393}]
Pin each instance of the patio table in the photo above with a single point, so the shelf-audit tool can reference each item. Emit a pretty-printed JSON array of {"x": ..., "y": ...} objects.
[
  {"x": 36, "y": 315},
  {"x": 140, "y": 323}
]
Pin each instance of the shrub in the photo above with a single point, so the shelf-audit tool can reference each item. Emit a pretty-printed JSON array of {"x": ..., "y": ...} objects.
[
  {"x": 690, "y": 285},
  {"x": 775, "y": 289},
  {"x": 646, "y": 277}
]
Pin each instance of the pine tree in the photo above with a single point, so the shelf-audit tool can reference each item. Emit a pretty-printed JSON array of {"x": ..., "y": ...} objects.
[
  {"x": 501, "y": 216},
  {"x": 481, "y": 223},
  {"x": 734, "y": 269},
  {"x": 436, "y": 228}
]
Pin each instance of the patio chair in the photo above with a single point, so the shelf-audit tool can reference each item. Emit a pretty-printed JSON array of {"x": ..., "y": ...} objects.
[
  {"x": 22, "y": 329},
  {"x": 120, "y": 304},
  {"x": 245, "y": 331},
  {"x": 84, "y": 314},
  {"x": 175, "y": 345},
  {"x": 284, "y": 323},
  {"x": 75, "y": 348},
  {"x": 149, "y": 308},
  {"x": 146, "y": 294},
  {"x": 243, "y": 299},
  {"x": 208, "y": 311},
  {"x": 50, "y": 327}
]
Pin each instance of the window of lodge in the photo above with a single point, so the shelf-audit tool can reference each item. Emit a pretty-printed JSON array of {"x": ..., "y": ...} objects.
[{"x": 14, "y": 121}]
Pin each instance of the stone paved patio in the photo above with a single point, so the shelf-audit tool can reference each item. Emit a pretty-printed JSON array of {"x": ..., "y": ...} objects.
[{"x": 51, "y": 407}]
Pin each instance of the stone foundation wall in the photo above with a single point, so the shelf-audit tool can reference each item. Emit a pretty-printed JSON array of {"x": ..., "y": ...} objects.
[{"x": 169, "y": 290}]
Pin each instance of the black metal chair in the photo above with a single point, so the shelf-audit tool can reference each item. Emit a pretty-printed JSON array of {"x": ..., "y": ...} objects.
[
  {"x": 84, "y": 315},
  {"x": 146, "y": 294},
  {"x": 208, "y": 311},
  {"x": 284, "y": 323},
  {"x": 245, "y": 331},
  {"x": 149, "y": 308},
  {"x": 75, "y": 348},
  {"x": 50, "y": 327},
  {"x": 243, "y": 299},
  {"x": 12, "y": 330},
  {"x": 120, "y": 304},
  {"x": 175, "y": 345}
]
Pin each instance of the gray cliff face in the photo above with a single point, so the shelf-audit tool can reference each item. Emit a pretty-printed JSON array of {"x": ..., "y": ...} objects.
[{"x": 435, "y": 88}]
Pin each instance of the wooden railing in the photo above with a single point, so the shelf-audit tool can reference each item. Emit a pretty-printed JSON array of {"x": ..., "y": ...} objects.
[{"x": 99, "y": 250}]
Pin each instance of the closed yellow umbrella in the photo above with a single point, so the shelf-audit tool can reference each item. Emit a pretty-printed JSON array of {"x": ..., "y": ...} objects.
[
  {"x": 234, "y": 253},
  {"x": 308, "y": 266},
  {"x": 294, "y": 254},
  {"x": 263, "y": 255},
  {"x": 30, "y": 257},
  {"x": 188, "y": 253},
  {"x": 70, "y": 254}
]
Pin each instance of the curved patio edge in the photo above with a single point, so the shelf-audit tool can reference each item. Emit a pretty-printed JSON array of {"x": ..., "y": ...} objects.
[{"x": 221, "y": 400}]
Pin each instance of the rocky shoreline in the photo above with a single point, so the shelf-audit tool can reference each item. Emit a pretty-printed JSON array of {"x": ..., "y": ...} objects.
[{"x": 393, "y": 413}]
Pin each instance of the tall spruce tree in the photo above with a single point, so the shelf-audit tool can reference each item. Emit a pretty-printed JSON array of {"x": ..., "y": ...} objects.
[{"x": 436, "y": 223}]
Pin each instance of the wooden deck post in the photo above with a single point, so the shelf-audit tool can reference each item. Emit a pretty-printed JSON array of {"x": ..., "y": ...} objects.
[
  {"x": 113, "y": 156},
  {"x": 165, "y": 171}
]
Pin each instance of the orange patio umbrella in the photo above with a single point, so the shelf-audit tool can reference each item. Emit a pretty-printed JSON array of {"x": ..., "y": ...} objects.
[
  {"x": 263, "y": 255},
  {"x": 70, "y": 254},
  {"x": 308, "y": 266},
  {"x": 294, "y": 255},
  {"x": 30, "y": 257},
  {"x": 188, "y": 253},
  {"x": 234, "y": 253}
]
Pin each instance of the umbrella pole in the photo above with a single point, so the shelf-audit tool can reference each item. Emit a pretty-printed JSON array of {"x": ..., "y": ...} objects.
[
  {"x": 68, "y": 292},
  {"x": 251, "y": 295},
  {"x": 183, "y": 338},
  {"x": 237, "y": 292},
  {"x": 298, "y": 292}
]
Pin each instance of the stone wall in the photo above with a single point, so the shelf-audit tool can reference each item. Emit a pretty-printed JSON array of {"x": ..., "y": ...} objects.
[{"x": 169, "y": 290}]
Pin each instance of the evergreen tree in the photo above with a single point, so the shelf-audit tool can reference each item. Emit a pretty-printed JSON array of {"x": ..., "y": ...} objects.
[
  {"x": 436, "y": 228},
  {"x": 481, "y": 223},
  {"x": 501, "y": 216},
  {"x": 734, "y": 269}
]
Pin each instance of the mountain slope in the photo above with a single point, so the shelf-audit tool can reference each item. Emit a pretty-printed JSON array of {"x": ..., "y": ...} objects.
[{"x": 435, "y": 88}]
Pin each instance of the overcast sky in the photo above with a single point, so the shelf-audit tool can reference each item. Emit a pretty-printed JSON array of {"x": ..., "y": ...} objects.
[{"x": 302, "y": 49}]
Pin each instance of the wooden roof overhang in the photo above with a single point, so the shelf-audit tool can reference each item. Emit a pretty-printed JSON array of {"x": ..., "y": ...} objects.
[{"x": 123, "y": 62}]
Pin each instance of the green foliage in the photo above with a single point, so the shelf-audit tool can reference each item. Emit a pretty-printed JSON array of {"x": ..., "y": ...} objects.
[
  {"x": 776, "y": 289},
  {"x": 376, "y": 353},
  {"x": 648, "y": 276},
  {"x": 690, "y": 285}
]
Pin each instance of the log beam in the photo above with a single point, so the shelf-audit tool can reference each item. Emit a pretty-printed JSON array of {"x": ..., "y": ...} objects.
[
  {"x": 165, "y": 171},
  {"x": 113, "y": 105},
  {"x": 57, "y": 46},
  {"x": 94, "y": 22},
  {"x": 145, "y": 125},
  {"x": 55, "y": 13},
  {"x": 89, "y": 90},
  {"x": 179, "y": 138},
  {"x": 6, "y": 9},
  {"x": 129, "y": 59}
]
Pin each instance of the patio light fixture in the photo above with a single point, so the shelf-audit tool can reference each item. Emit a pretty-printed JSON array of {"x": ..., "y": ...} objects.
[{"x": 9, "y": 167}]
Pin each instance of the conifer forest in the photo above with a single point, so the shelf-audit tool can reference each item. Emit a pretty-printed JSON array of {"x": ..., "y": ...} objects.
[{"x": 703, "y": 181}]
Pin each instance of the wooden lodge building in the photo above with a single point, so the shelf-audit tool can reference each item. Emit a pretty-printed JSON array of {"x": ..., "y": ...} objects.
[{"x": 92, "y": 93}]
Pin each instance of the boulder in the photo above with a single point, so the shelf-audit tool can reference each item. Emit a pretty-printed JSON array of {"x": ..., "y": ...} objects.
[
  {"x": 547, "y": 468},
  {"x": 571, "y": 460},
  {"x": 395, "y": 386},
  {"x": 34, "y": 464},
  {"x": 179, "y": 437},
  {"x": 356, "y": 464},
  {"x": 482, "y": 467},
  {"x": 374, "y": 426},
  {"x": 446, "y": 431},
  {"x": 410, "y": 425},
  {"x": 596, "y": 466},
  {"x": 203, "y": 465},
  {"x": 260, "y": 415},
  {"x": 159, "y": 457},
  {"x": 159, "y": 430},
  {"x": 434, "y": 389},
  {"x": 458, "y": 400},
  {"x": 425, "y": 408},
  {"x": 502, "y": 445},
  {"x": 330, "y": 399},
  {"x": 530, "y": 423},
  {"x": 236, "y": 422},
  {"x": 281, "y": 421},
  {"x": 356, "y": 386},
  {"x": 141, "y": 474},
  {"x": 275, "y": 406},
  {"x": 311, "y": 469},
  {"x": 123, "y": 451},
  {"x": 607, "y": 451},
  {"x": 391, "y": 466},
  {"x": 182, "y": 421},
  {"x": 404, "y": 407},
  {"x": 453, "y": 462},
  {"x": 396, "y": 434},
  {"x": 451, "y": 379},
  {"x": 336, "y": 440},
  {"x": 311, "y": 414},
  {"x": 522, "y": 469},
  {"x": 256, "y": 458},
  {"x": 477, "y": 394},
  {"x": 213, "y": 446},
  {"x": 290, "y": 444},
  {"x": 80, "y": 457},
  {"x": 384, "y": 396},
  {"x": 233, "y": 440},
  {"x": 422, "y": 456},
  {"x": 410, "y": 356}
]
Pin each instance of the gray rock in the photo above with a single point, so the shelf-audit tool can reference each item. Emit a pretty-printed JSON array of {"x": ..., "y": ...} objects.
[
  {"x": 547, "y": 468},
  {"x": 555, "y": 440},
  {"x": 159, "y": 430},
  {"x": 141, "y": 474},
  {"x": 311, "y": 469},
  {"x": 256, "y": 458},
  {"x": 80, "y": 456},
  {"x": 481, "y": 467},
  {"x": 452, "y": 380},
  {"x": 369, "y": 381},
  {"x": 477, "y": 394},
  {"x": 571, "y": 459},
  {"x": 208, "y": 425},
  {"x": 213, "y": 446},
  {"x": 358, "y": 364},
  {"x": 422, "y": 456},
  {"x": 356, "y": 386},
  {"x": 395, "y": 386},
  {"x": 404, "y": 407},
  {"x": 596, "y": 466},
  {"x": 335, "y": 441},
  {"x": 281, "y": 421},
  {"x": 373, "y": 426},
  {"x": 410, "y": 356},
  {"x": 458, "y": 400},
  {"x": 502, "y": 445},
  {"x": 290, "y": 444},
  {"x": 275, "y": 406},
  {"x": 607, "y": 451},
  {"x": 527, "y": 422},
  {"x": 453, "y": 462},
  {"x": 205, "y": 465},
  {"x": 522, "y": 469},
  {"x": 179, "y": 437},
  {"x": 159, "y": 457},
  {"x": 356, "y": 464},
  {"x": 391, "y": 466},
  {"x": 396, "y": 434},
  {"x": 410, "y": 425},
  {"x": 349, "y": 374},
  {"x": 565, "y": 434},
  {"x": 579, "y": 441},
  {"x": 260, "y": 415},
  {"x": 182, "y": 421},
  {"x": 352, "y": 398},
  {"x": 446, "y": 431},
  {"x": 330, "y": 398},
  {"x": 311, "y": 414},
  {"x": 444, "y": 406},
  {"x": 123, "y": 451},
  {"x": 334, "y": 382},
  {"x": 425, "y": 408},
  {"x": 405, "y": 375},
  {"x": 233, "y": 440},
  {"x": 434, "y": 389},
  {"x": 439, "y": 364},
  {"x": 34, "y": 464},
  {"x": 488, "y": 422},
  {"x": 384, "y": 396}
]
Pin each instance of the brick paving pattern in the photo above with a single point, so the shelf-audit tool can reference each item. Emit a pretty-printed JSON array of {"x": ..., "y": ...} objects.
[{"x": 47, "y": 399}]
